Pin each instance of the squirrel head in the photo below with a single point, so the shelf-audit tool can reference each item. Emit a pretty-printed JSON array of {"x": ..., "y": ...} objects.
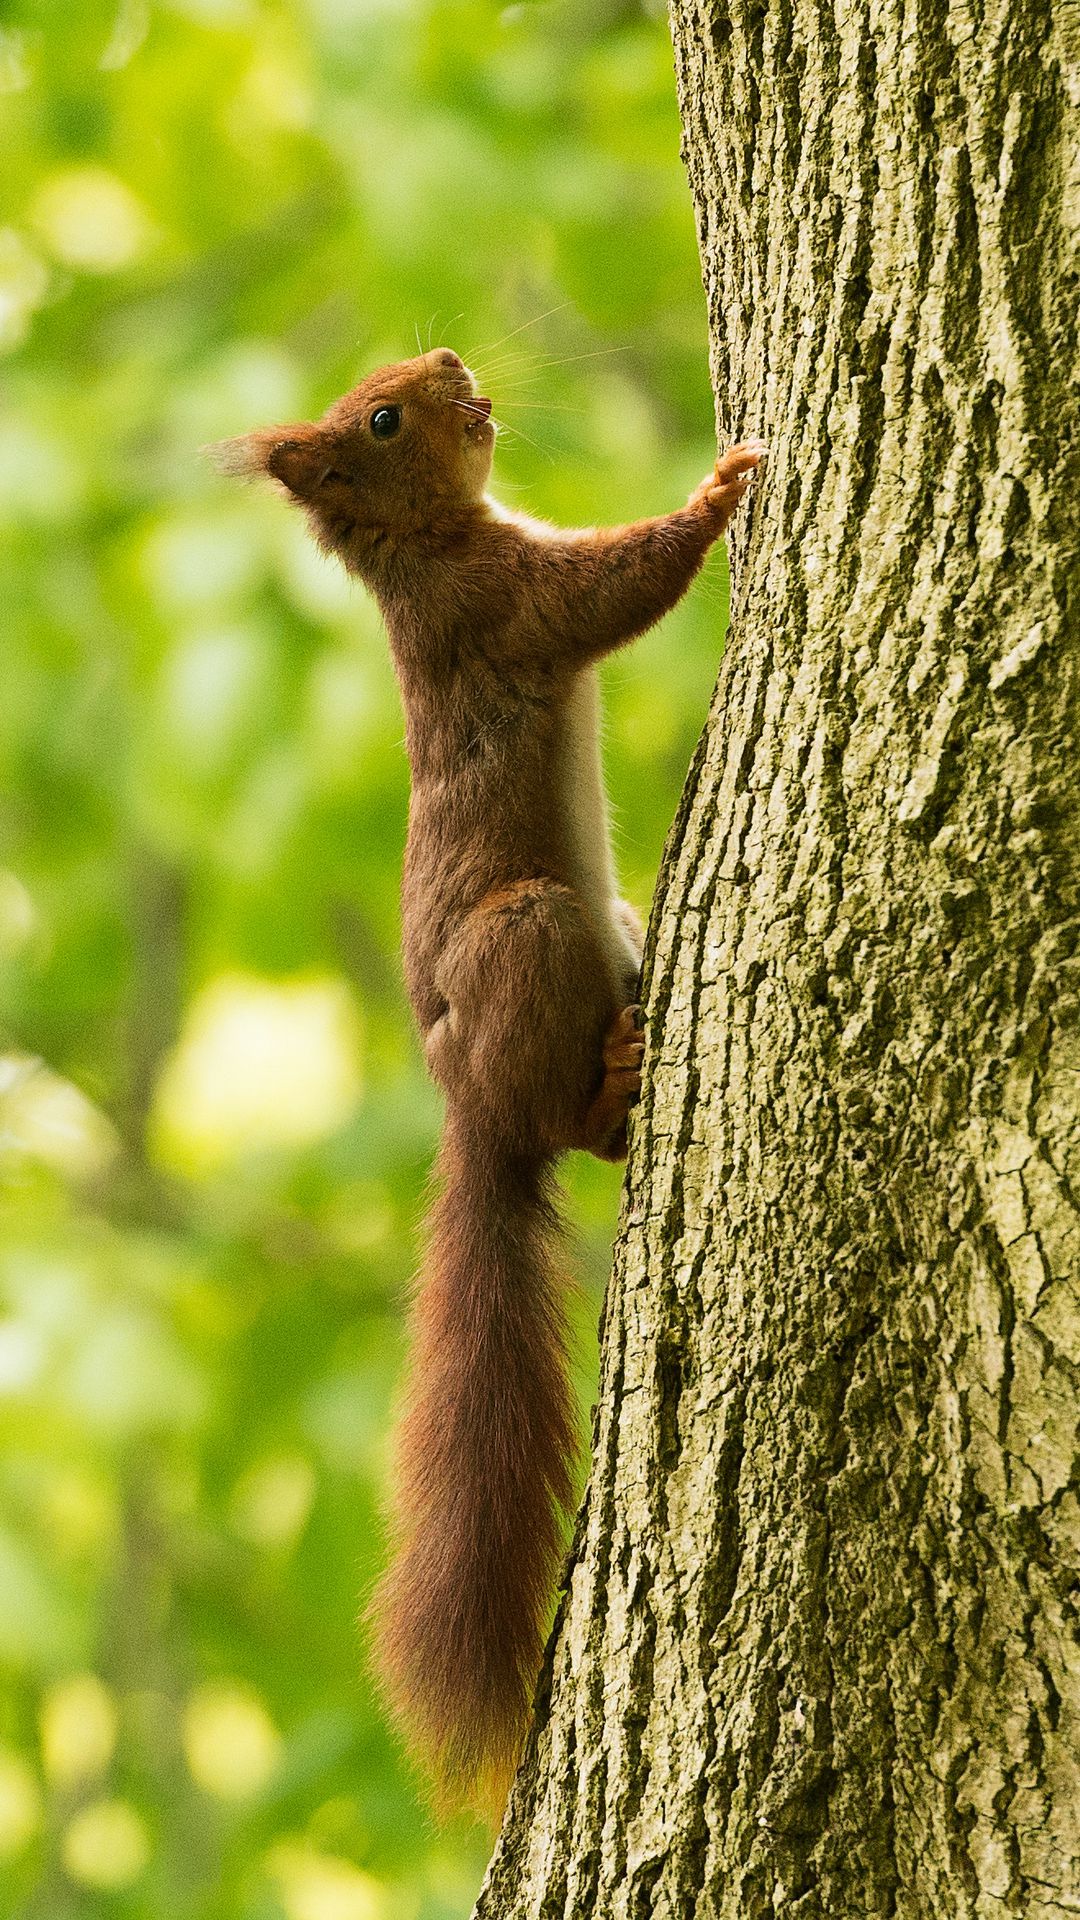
[{"x": 406, "y": 449}]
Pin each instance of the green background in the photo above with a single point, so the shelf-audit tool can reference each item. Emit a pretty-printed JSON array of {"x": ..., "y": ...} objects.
[{"x": 214, "y": 1125}]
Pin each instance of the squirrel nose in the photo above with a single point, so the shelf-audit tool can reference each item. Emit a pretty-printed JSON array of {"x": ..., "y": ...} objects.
[{"x": 446, "y": 358}]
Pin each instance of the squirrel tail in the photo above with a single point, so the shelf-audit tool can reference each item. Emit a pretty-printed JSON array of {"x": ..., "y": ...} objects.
[{"x": 485, "y": 1473}]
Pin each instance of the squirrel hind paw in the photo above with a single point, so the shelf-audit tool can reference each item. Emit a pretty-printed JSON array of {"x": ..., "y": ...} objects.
[
  {"x": 603, "y": 1131},
  {"x": 624, "y": 1041}
]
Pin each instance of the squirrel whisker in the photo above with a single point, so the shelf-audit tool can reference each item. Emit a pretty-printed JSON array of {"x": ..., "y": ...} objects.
[
  {"x": 445, "y": 327},
  {"x": 547, "y": 366},
  {"x": 504, "y": 426},
  {"x": 543, "y": 406},
  {"x": 525, "y": 325}
]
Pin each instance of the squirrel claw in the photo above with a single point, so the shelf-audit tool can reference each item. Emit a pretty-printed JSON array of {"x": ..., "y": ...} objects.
[
  {"x": 732, "y": 474},
  {"x": 604, "y": 1128},
  {"x": 739, "y": 463},
  {"x": 729, "y": 481},
  {"x": 624, "y": 1042}
]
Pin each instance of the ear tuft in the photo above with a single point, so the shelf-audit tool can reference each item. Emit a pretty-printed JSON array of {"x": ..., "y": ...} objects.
[{"x": 242, "y": 457}]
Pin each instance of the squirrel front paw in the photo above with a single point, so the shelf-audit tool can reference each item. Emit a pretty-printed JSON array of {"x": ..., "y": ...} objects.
[{"x": 729, "y": 481}]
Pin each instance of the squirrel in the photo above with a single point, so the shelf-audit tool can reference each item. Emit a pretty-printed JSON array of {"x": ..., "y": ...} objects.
[{"x": 522, "y": 968}]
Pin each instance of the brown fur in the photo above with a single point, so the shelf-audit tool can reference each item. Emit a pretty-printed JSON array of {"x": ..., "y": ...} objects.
[{"x": 521, "y": 970}]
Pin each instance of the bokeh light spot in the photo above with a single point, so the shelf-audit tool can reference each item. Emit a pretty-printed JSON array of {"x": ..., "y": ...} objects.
[
  {"x": 78, "y": 1729},
  {"x": 48, "y": 1118},
  {"x": 272, "y": 1500},
  {"x": 106, "y": 1846},
  {"x": 24, "y": 281},
  {"x": 20, "y": 1803},
  {"x": 90, "y": 220},
  {"x": 260, "y": 1064},
  {"x": 231, "y": 1744},
  {"x": 319, "y": 1886}
]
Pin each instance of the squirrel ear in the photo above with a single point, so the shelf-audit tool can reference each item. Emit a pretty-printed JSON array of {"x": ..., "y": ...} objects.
[
  {"x": 297, "y": 457},
  {"x": 300, "y": 465}
]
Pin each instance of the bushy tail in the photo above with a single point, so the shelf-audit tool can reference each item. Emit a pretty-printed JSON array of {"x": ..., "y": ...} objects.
[{"x": 485, "y": 1478}]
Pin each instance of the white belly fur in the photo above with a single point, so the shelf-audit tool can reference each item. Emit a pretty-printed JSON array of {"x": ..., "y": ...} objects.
[{"x": 584, "y": 808}]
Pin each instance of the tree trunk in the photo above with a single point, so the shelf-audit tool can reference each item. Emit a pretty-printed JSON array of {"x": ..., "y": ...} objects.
[{"x": 814, "y": 1653}]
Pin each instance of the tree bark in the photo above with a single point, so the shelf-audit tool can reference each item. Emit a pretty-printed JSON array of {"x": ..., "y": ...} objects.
[{"x": 816, "y": 1650}]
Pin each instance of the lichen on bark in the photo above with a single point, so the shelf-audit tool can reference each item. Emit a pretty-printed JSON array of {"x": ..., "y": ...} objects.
[{"x": 816, "y": 1652}]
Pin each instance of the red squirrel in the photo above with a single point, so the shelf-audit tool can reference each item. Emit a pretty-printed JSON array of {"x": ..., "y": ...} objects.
[{"x": 522, "y": 968}]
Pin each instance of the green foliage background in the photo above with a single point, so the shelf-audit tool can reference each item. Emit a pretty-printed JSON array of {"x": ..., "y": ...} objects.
[{"x": 215, "y": 214}]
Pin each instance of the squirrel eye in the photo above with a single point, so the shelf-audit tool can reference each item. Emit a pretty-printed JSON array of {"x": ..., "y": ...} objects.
[{"x": 385, "y": 422}]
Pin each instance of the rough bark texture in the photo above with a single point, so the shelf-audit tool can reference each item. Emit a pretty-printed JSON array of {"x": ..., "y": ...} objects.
[{"x": 816, "y": 1650}]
